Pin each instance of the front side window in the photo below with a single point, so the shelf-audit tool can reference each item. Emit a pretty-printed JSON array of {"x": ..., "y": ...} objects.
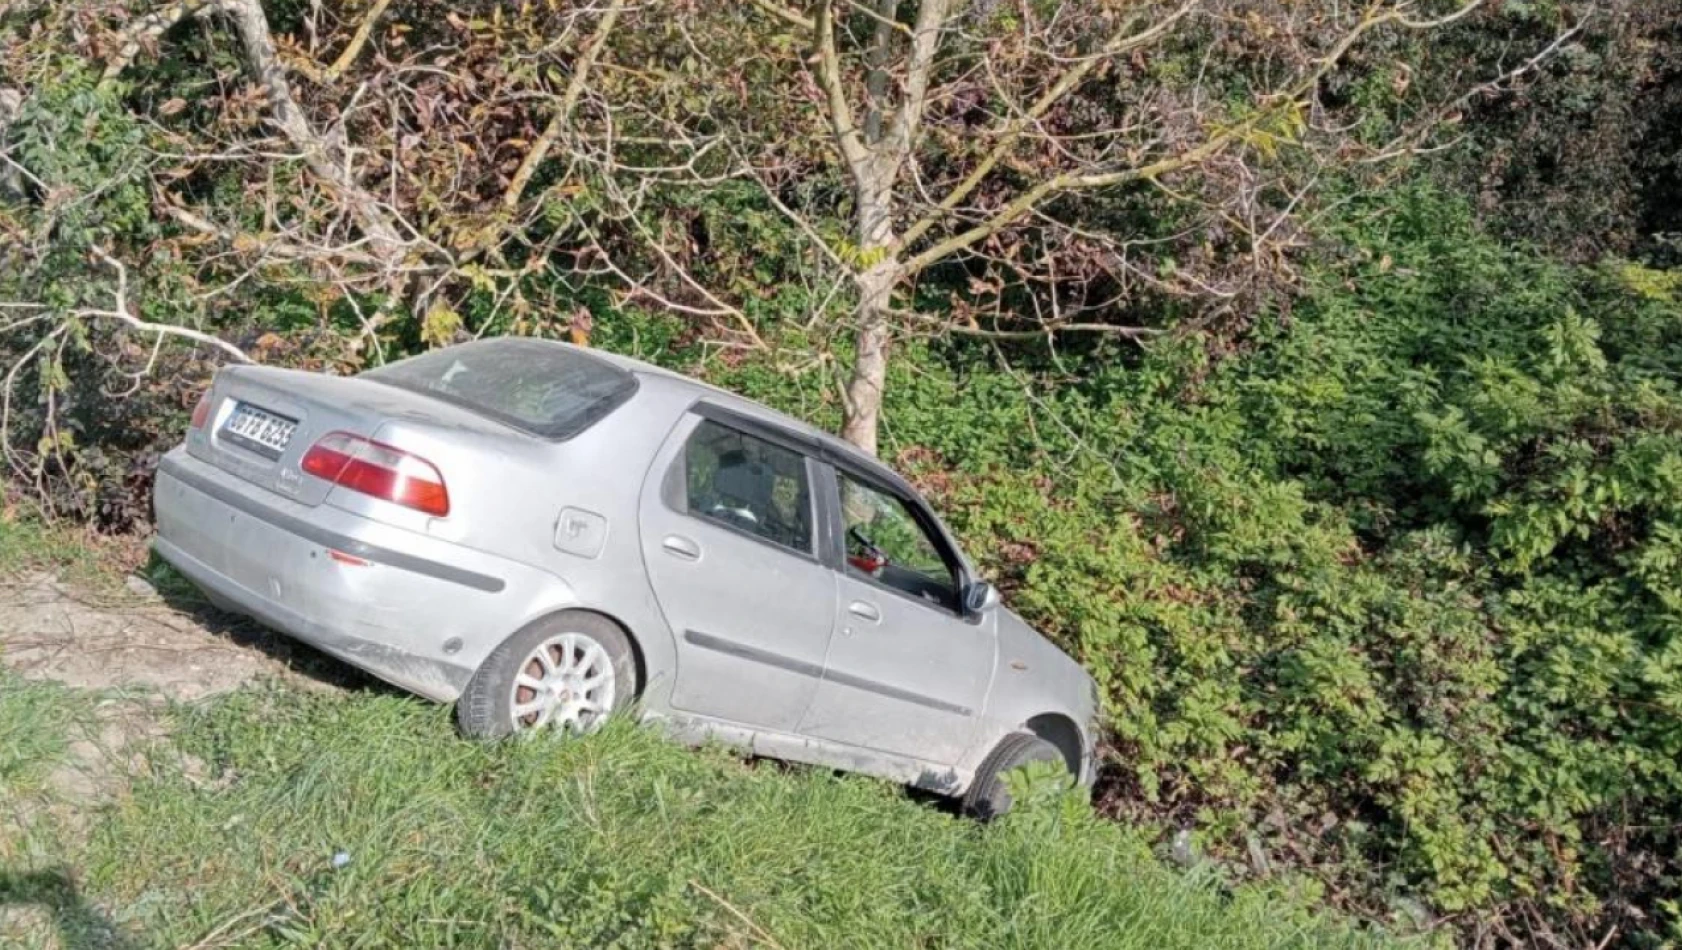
[
  {"x": 749, "y": 484},
  {"x": 886, "y": 543}
]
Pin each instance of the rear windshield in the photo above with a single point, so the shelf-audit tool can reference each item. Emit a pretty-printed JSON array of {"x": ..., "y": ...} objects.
[{"x": 540, "y": 387}]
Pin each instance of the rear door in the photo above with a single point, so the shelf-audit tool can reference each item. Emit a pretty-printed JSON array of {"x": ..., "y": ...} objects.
[
  {"x": 730, "y": 539},
  {"x": 907, "y": 672}
]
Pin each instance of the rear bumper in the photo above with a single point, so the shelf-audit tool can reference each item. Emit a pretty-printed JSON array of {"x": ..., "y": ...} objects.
[{"x": 417, "y": 611}]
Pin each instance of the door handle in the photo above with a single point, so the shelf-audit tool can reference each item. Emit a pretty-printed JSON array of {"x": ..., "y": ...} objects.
[
  {"x": 679, "y": 546},
  {"x": 864, "y": 611}
]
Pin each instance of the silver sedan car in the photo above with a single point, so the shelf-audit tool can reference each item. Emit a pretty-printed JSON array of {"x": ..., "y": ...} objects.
[{"x": 546, "y": 535}]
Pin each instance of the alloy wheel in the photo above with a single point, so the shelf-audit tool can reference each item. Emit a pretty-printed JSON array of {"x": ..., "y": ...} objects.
[{"x": 566, "y": 684}]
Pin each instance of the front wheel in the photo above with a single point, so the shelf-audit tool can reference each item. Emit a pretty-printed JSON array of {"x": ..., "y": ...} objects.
[
  {"x": 562, "y": 674},
  {"x": 988, "y": 797}
]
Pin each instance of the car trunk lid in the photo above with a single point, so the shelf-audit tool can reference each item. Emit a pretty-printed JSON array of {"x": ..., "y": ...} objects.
[{"x": 263, "y": 420}]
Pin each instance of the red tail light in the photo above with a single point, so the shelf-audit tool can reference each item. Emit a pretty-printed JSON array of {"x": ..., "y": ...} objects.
[
  {"x": 201, "y": 412},
  {"x": 378, "y": 470}
]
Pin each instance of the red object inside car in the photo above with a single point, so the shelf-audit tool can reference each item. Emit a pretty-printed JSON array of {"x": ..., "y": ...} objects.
[{"x": 867, "y": 563}]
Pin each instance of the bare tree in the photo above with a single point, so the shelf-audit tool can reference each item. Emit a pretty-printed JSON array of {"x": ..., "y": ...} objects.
[{"x": 963, "y": 127}]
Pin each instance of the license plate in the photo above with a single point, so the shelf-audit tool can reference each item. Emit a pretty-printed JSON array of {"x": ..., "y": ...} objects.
[{"x": 258, "y": 430}]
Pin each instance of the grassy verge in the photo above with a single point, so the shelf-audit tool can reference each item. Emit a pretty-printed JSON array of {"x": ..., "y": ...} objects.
[
  {"x": 33, "y": 736},
  {"x": 38, "y": 906},
  {"x": 274, "y": 818},
  {"x": 90, "y": 562}
]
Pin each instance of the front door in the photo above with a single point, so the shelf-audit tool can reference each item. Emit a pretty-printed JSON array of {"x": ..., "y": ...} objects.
[
  {"x": 729, "y": 540},
  {"x": 907, "y": 673}
]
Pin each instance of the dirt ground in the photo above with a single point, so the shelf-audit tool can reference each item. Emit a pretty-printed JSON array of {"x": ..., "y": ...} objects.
[
  {"x": 135, "y": 650},
  {"x": 185, "y": 651}
]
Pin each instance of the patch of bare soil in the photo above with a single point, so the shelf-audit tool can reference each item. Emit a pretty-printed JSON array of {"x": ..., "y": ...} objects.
[
  {"x": 130, "y": 651},
  {"x": 52, "y": 630}
]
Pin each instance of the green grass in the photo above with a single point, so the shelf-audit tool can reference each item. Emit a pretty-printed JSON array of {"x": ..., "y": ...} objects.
[
  {"x": 621, "y": 840},
  {"x": 33, "y": 733},
  {"x": 34, "y": 738},
  {"x": 29, "y": 546},
  {"x": 229, "y": 828}
]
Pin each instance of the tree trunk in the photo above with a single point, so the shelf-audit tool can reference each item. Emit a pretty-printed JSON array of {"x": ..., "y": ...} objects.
[
  {"x": 870, "y": 361},
  {"x": 11, "y": 181},
  {"x": 875, "y": 284}
]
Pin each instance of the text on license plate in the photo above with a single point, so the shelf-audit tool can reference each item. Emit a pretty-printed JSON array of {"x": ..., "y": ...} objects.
[{"x": 260, "y": 431}]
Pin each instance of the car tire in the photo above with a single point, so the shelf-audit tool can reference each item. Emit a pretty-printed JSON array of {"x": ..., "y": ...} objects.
[
  {"x": 987, "y": 797},
  {"x": 488, "y": 706}
]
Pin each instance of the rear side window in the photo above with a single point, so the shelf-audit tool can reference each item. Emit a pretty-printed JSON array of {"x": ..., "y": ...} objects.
[
  {"x": 536, "y": 386},
  {"x": 750, "y": 485}
]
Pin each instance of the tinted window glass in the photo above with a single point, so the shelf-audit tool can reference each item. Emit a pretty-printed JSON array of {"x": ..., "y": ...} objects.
[
  {"x": 749, "y": 484},
  {"x": 540, "y": 387},
  {"x": 886, "y": 543}
]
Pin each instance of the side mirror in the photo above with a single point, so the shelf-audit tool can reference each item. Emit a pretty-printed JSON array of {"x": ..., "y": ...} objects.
[{"x": 980, "y": 597}]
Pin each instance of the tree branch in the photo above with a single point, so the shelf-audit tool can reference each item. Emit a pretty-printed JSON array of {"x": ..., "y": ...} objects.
[
  {"x": 1444, "y": 20},
  {"x": 261, "y": 246},
  {"x": 1032, "y": 197},
  {"x": 167, "y": 329},
  {"x": 876, "y": 73},
  {"x": 149, "y": 28},
  {"x": 919, "y": 66},
  {"x": 792, "y": 17},
  {"x": 1407, "y": 143},
  {"x": 563, "y": 114},
  {"x": 1123, "y": 41},
  {"x": 253, "y": 28},
  {"x": 1050, "y": 329},
  {"x": 348, "y": 55},
  {"x": 847, "y": 134}
]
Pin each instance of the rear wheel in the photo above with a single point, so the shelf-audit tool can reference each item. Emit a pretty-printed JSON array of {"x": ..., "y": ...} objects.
[
  {"x": 562, "y": 674},
  {"x": 988, "y": 798}
]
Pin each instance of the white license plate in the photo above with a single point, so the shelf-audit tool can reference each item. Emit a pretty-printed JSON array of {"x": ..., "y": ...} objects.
[{"x": 258, "y": 430}]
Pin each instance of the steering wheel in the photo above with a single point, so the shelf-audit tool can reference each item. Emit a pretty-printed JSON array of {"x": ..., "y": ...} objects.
[{"x": 871, "y": 551}]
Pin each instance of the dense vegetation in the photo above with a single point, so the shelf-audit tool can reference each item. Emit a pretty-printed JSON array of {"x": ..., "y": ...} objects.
[{"x": 1350, "y": 463}]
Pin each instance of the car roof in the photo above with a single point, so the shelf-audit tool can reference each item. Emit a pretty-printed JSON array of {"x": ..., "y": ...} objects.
[
  {"x": 818, "y": 442},
  {"x": 813, "y": 440}
]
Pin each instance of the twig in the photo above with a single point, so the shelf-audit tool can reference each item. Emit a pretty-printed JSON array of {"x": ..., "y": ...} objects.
[
  {"x": 792, "y": 17},
  {"x": 563, "y": 114},
  {"x": 349, "y": 53},
  {"x": 1051, "y": 329},
  {"x": 758, "y": 931},
  {"x": 122, "y": 313}
]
